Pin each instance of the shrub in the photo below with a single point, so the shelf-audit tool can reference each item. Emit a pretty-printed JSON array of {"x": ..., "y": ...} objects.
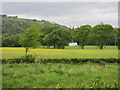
[
  {"x": 24, "y": 59},
  {"x": 31, "y": 59},
  {"x": 78, "y": 60},
  {"x": 28, "y": 58}
]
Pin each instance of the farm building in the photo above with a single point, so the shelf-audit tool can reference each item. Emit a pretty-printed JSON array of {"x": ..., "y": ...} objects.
[{"x": 73, "y": 44}]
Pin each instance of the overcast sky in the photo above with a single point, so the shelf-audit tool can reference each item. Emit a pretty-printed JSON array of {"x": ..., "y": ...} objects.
[{"x": 65, "y": 13}]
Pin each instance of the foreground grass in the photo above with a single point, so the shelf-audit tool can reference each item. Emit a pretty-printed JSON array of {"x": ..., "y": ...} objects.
[
  {"x": 69, "y": 52},
  {"x": 59, "y": 76}
]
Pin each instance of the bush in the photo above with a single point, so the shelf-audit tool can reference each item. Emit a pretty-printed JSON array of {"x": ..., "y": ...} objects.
[
  {"x": 28, "y": 58},
  {"x": 31, "y": 59},
  {"x": 13, "y": 60},
  {"x": 79, "y": 60},
  {"x": 24, "y": 59}
]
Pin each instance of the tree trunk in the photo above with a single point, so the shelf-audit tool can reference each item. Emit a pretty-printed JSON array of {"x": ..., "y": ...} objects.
[
  {"x": 82, "y": 46},
  {"x": 63, "y": 47},
  {"x": 101, "y": 46},
  {"x": 118, "y": 46},
  {"x": 78, "y": 43},
  {"x": 54, "y": 46},
  {"x": 27, "y": 50}
]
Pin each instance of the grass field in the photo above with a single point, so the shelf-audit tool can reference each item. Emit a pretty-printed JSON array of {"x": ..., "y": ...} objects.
[
  {"x": 59, "y": 76},
  {"x": 89, "y": 51},
  {"x": 35, "y": 75}
]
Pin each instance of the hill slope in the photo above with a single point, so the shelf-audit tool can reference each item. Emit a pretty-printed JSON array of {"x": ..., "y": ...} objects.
[{"x": 13, "y": 25}]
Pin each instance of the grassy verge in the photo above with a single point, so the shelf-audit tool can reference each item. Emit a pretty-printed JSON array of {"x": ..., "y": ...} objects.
[{"x": 60, "y": 75}]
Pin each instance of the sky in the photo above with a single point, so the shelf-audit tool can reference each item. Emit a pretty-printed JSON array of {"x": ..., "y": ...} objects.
[{"x": 72, "y": 14}]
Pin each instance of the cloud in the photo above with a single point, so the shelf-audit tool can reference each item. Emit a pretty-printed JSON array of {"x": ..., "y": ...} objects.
[{"x": 66, "y": 13}]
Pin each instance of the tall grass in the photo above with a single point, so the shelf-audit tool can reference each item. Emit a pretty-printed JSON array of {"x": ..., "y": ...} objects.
[{"x": 59, "y": 76}]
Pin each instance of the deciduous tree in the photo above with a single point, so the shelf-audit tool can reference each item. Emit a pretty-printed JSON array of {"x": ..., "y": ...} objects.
[
  {"x": 101, "y": 34},
  {"x": 30, "y": 37},
  {"x": 80, "y": 35}
]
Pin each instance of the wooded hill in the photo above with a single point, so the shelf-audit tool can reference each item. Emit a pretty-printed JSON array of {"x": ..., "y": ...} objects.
[
  {"x": 13, "y": 25},
  {"x": 53, "y": 34}
]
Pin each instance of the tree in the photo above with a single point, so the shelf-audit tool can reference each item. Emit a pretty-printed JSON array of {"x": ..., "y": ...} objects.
[
  {"x": 30, "y": 37},
  {"x": 0, "y": 40},
  {"x": 101, "y": 34},
  {"x": 58, "y": 38},
  {"x": 115, "y": 36},
  {"x": 46, "y": 30},
  {"x": 10, "y": 40},
  {"x": 118, "y": 37},
  {"x": 80, "y": 35}
]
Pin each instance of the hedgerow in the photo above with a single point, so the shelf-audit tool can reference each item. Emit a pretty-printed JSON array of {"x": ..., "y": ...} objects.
[{"x": 32, "y": 59}]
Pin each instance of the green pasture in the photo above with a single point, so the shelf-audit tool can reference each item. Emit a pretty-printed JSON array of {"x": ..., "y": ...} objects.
[
  {"x": 35, "y": 75},
  {"x": 68, "y": 52},
  {"x": 59, "y": 76},
  {"x": 92, "y": 47}
]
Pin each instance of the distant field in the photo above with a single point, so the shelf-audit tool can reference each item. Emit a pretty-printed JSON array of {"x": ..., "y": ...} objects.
[
  {"x": 91, "y": 47},
  {"x": 59, "y": 76},
  {"x": 74, "y": 51}
]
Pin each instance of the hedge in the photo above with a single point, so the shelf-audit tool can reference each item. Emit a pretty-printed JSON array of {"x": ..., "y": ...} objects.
[
  {"x": 32, "y": 59},
  {"x": 23, "y": 59},
  {"x": 78, "y": 60}
]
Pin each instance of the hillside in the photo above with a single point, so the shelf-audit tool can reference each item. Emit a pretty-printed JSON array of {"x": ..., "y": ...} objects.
[{"x": 13, "y": 25}]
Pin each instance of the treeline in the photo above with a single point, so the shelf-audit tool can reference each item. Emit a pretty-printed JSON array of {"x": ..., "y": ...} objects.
[{"x": 58, "y": 36}]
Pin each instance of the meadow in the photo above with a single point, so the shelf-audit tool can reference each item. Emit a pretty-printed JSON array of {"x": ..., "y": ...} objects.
[
  {"x": 59, "y": 76},
  {"x": 56, "y": 75},
  {"x": 68, "y": 52}
]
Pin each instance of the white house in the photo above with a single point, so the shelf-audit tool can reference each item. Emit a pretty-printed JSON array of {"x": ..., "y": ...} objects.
[{"x": 73, "y": 44}]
